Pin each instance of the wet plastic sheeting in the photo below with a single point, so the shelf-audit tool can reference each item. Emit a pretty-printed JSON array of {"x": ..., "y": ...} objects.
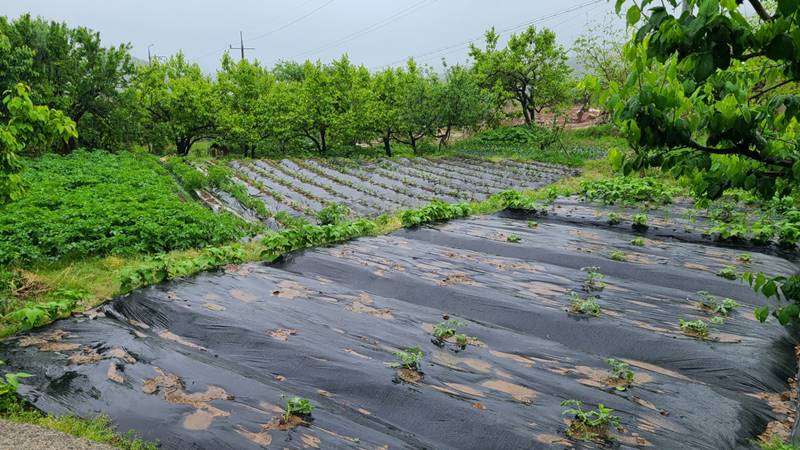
[{"x": 203, "y": 363}]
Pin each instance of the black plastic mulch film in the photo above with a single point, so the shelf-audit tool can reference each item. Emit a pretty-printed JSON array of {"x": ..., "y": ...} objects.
[{"x": 207, "y": 362}]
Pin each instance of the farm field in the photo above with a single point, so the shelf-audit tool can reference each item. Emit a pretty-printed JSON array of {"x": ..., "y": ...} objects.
[
  {"x": 209, "y": 361},
  {"x": 369, "y": 188}
]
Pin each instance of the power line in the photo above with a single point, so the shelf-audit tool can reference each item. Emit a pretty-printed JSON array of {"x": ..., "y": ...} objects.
[
  {"x": 369, "y": 29},
  {"x": 462, "y": 44},
  {"x": 283, "y": 27},
  {"x": 215, "y": 52}
]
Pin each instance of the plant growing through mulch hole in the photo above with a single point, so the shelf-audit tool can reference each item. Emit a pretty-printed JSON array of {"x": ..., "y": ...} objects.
[
  {"x": 614, "y": 218},
  {"x": 729, "y": 273},
  {"x": 594, "y": 279},
  {"x": 638, "y": 242},
  {"x": 587, "y": 306},
  {"x": 697, "y": 327},
  {"x": 445, "y": 330},
  {"x": 617, "y": 255},
  {"x": 639, "y": 222},
  {"x": 533, "y": 224},
  {"x": 513, "y": 238},
  {"x": 744, "y": 257},
  {"x": 592, "y": 424},
  {"x": 620, "y": 373},
  {"x": 716, "y": 305},
  {"x": 297, "y": 406},
  {"x": 410, "y": 358}
]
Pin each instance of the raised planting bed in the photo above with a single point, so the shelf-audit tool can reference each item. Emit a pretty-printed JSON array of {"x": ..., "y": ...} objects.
[{"x": 536, "y": 311}]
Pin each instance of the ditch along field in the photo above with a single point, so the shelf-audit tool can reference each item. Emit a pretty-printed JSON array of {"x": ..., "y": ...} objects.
[{"x": 208, "y": 361}]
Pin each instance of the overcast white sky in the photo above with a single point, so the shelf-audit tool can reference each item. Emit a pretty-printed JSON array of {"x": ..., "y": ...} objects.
[{"x": 373, "y": 32}]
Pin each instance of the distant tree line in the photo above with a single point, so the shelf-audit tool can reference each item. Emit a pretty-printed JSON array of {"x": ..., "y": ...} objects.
[{"x": 170, "y": 105}]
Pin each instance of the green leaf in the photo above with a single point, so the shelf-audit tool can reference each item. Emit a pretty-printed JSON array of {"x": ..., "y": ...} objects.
[
  {"x": 762, "y": 313},
  {"x": 788, "y": 7},
  {"x": 618, "y": 6},
  {"x": 633, "y": 15}
]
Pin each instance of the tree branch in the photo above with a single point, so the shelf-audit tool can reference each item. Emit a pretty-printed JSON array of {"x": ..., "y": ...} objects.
[{"x": 761, "y": 11}]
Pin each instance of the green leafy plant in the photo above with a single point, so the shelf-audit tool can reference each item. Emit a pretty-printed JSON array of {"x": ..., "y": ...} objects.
[
  {"x": 621, "y": 372},
  {"x": 410, "y": 358},
  {"x": 786, "y": 290},
  {"x": 717, "y": 305},
  {"x": 697, "y": 327},
  {"x": 639, "y": 221},
  {"x": 445, "y": 330},
  {"x": 638, "y": 242},
  {"x": 584, "y": 305},
  {"x": 628, "y": 190},
  {"x": 745, "y": 258},
  {"x": 434, "y": 212},
  {"x": 728, "y": 272},
  {"x": 614, "y": 218},
  {"x": 533, "y": 224},
  {"x": 333, "y": 214},
  {"x": 297, "y": 406},
  {"x": 589, "y": 425},
  {"x": 617, "y": 255},
  {"x": 513, "y": 238},
  {"x": 594, "y": 279}
]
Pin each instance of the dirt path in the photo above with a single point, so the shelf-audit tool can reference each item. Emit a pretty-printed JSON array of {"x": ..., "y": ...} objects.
[{"x": 32, "y": 437}]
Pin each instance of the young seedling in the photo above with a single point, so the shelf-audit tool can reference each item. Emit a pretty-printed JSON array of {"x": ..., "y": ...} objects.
[
  {"x": 590, "y": 425},
  {"x": 745, "y": 258},
  {"x": 617, "y": 255},
  {"x": 533, "y": 224},
  {"x": 461, "y": 341},
  {"x": 587, "y": 306},
  {"x": 716, "y": 305},
  {"x": 297, "y": 406},
  {"x": 638, "y": 242},
  {"x": 410, "y": 359},
  {"x": 621, "y": 374},
  {"x": 513, "y": 238},
  {"x": 593, "y": 279},
  {"x": 445, "y": 330},
  {"x": 614, "y": 218},
  {"x": 697, "y": 327},
  {"x": 729, "y": 273},
  {"x": 640, "y": 222}
]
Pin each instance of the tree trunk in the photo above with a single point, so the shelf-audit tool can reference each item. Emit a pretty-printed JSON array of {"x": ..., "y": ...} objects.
[
  {"x": 445, "y": 138},
  {"x": 387, "y": 146},
  {"x": 526, "y": 113},
  {"x": 323, "y": 141},
  {"x": 412, "y": 140},
  {"x": 183, "y": 145}
]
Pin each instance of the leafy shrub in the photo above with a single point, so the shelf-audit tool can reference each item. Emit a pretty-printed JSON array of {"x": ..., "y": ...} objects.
[
  {"x": 9, "y": 385},
  {"x": 38, "y": 314},
  {"x": 333, "y": 214},
  {"x": 628, "y": 190},
  {"x": 307, "y": 235},
  {"x": 614, "y": 218},
  {"x": 786, "y": 291},
  {"x": 638, "y": 242},
  {"x": 516, "y": 200},
  {"x": 617, "y": 255},
  {"x": 434, "y": 212},
  {"x": 161, "y": 267},
  {"x": 99, "y": 203}
]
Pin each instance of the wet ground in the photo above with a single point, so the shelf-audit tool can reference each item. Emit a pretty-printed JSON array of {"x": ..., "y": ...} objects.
[{"x": 206, "y": 362}]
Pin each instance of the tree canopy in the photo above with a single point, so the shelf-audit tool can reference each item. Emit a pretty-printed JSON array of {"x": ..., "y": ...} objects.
[{"x": 712, "y": 94}]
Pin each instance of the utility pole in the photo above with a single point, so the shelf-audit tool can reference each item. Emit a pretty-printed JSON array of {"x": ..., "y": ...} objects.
[{"x": 241, "y": 45}]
